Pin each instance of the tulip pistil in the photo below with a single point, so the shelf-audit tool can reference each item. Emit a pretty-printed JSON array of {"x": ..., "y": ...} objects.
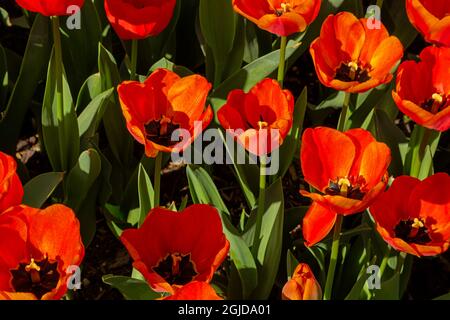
[
  {"x": 284, "y": 8},
  {"x": 37, "y": 277},
  {"x": 343, "y": 186},
  {"x": 352, "y": 71},
  {"x": 160, "y": 131},
  {"x": 176, "y": 269},
  {"x": 412, "y": 231}
]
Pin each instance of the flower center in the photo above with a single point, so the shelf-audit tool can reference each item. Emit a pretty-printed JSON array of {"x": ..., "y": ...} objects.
[
  {"x": 437, "y": 103},
  {"x": 37, "y": 277},
  {"x": 352, "y": 71},
  {"x": 412, "y": 231},
  {"x": 347, "y": 187},
  {"x": 176, "y": 269},
  {"x": 284, "y": 8},
  {"x": 160, "y": 131}
]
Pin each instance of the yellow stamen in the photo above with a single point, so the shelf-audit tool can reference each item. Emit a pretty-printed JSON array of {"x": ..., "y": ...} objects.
[
  {"x": 286, "y": 7},
  {"x": 417, "y": 224},
  {"x": 437, "y": 98},
  {"x": 262, "y": 125},
  {"x": 176, "y": 259},
  {"x": 344, "y": 184},
  {"x": 353, "y": 69},
  {"x": 33, "y": 269}
]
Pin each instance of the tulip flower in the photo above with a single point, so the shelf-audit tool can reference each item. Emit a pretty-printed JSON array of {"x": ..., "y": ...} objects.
[
  {"x": 195, "y": 290},
  {"x": 172, "y": 249},
  {"x": 37, "y": 247},
  {"x": 349, "y": 171},
  {"x": 50, "y": 7},
  {"x": 302, "y": 286},
  {"x": 155, "y": 109},
  {"x": 137, "y": 19},
  {"x": 413, "y": 216},
  {"x": 350, "y": 57},
  {"x": 282, "y": 18},
  {"x": 432, "y": 19},
  {"x": 423, "y": 89},
  {"x": 11, "y": 191},
  {"x": 259, "y": 119}
]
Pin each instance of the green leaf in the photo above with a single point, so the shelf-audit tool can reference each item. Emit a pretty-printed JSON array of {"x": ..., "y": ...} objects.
[
  {"x": 291, "y": 144},
  {"x": 90, "y": 118},
  {"x": 291, "y": 263},
  {"x": 59, "y": 127},
  {"x": 131, "y": 289},
  {"x": 40, "y": 188},
  {"x": 82, "y": 177},
  {"x": 146, "y": 194},
  {"x": 4, "y": 78},
  {"x": 443, "y": 297},
  {"x": 32, "y": 71},
  {"x": 90, "y": 89},
  {"x": 390, "y": 289}
]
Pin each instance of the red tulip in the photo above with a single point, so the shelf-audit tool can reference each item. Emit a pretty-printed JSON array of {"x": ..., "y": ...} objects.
[
  {"x": 423, "y": 89},
  {"x": 155, "y": 109},
  {"x": 139, "y": 19},
  {"x": 50, "y": 7},
  {"x": 259, "y": 119},
  {"x": 172, "y": 249},
  {"x": 348, "y": 170},
  {"x": 11, "y": 191},
  {"x": 350, "y": 57},
  {"x": 37, "y": 247},
  {"x": 280, "y": 17},
  {"x": 432, "y": 19},
  {"x": 413, "y": 216}
]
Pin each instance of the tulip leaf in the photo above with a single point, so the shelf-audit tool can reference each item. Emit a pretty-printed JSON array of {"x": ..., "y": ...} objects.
[
  {"x": 204, "y": 191},
  {"x": 292, "y": 142},
  {"x": 443, "y": 297},
  {"x": 146, "y": 194},
  {"x": 40, "y": 188},
  {"x": 32, "y": 71},
  {"x": 291, "y": 263},
  {"x": 4, "y": 78},
  {"x": 59, "y": 123},
  {"x": 131, "y": 289},
  {"x": 390, "y": 289},
  {"x": 91, "y": 117},
  {"x": 90, "y": 89},
  {"x": 419, "y": 160}
]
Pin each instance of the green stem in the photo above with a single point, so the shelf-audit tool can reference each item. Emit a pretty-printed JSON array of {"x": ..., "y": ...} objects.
[
  {"x": 282, "y": 64},
  {"x": 400, "y": 262},
  {"x": 261, "y": 205},
  {"x": 417, "y": 161},
  {"x": 334, "y": 257},
  {"x": 134, "y": 56},
  {"x": 344, "y": 112},
  {"x": 59, "y": 86},
  {"x": 157, "y": 182},
  {"x": 384, "y": 263}
]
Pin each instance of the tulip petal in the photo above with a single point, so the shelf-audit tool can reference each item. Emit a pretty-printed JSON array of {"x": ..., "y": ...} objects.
[{"x": 317, "y": 223}]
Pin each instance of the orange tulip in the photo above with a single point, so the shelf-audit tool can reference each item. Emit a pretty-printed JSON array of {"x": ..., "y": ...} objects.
[
  {"x": 423, "y": 89},
  {"x": 11, "y": 191},
  {"x": 172, "y": 249},
  {"x": 348, "y": 169},
  {"x": 279, "y": 17},
  {"x": 259, "y": 119},
  {"x": 37, "y": 247},
  {"x": 302, "y": 286},
  {"x": 432, "y": 19},
  {"x": 155, "y": 109},
  {"x": 413, "y": 216},
  {"x": 350, "y": 57},
  {"x": 195, "y": 290}
]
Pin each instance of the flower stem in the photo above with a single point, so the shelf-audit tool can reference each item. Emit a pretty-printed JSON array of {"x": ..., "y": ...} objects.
[
  {"x": 282, "y": 64},
  {"x": 261, "y": 205},
  {"x": 157, "y": 182},
  {"x": 59, "y": 87},
  {"x": 334, "y": 257},
  {"x": 345, "y": 107},
  {"x": 384, "y": 263},
  {"x": 134, "y": 56}
]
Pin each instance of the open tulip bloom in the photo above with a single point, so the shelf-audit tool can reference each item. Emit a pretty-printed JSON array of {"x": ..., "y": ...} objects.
[
  {"x": 349, "y": 170},
  {"x": 350, "y": 57},
  {"x": 172, "y": 249},
  {"x": 432, "y": 19},
  {"x": 50, "y": 7},
  {"x": 423, "y": 89},
  {"x": 37, "y": 247},
  {"x": 413, "y": 216}
]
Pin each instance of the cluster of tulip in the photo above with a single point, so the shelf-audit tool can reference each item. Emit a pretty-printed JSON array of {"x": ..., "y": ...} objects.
[{"x": 177, "y": 253}]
